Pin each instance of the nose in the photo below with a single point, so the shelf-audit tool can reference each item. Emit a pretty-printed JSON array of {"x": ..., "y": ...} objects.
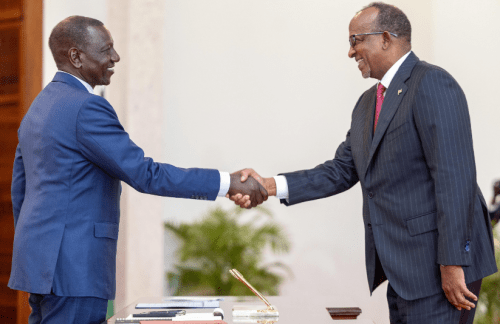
[
  {"x": 351, "y": 52},
  {"x": 115, "y": 57}
]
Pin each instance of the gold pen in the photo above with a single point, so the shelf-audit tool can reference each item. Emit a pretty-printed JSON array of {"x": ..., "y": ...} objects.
[{"x": 240, "y": 277}]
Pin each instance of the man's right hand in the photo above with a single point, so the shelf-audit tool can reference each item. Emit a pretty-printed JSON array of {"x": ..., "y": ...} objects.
[
  {"x": 455, "y": 289},
  {"x": 244, "y": 201},
  {"x": 251, "y": 192}
]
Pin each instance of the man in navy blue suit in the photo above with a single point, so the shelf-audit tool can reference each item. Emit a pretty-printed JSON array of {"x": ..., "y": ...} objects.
[
  {"x": 72, "y": 155},
  {"x": 427, "y": 228}
]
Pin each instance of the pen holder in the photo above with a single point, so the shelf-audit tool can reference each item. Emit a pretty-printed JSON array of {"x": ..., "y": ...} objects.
[
  {"x": 255, "y": 320},
  {"x": 255, "y": 311}
]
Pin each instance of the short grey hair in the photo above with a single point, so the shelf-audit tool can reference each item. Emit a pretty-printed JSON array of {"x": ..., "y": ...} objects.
[{"x": 392, "y": 19}]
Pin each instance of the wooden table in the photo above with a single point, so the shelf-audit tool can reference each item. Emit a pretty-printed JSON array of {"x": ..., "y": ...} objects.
[{"x": 292, "y": 309}]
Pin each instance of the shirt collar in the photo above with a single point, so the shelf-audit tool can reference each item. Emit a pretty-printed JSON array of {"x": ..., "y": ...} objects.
[
  {"x": 85, "y": 84},
  {"x": 389, "y": 75}
]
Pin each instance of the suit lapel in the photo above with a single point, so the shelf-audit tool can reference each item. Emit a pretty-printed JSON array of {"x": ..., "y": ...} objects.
[
  {"x": 368, "y": 125},
  {"x": 394, "y": 94}
]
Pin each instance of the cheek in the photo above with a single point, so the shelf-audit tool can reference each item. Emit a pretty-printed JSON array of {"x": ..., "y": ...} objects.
[
  {"x": 362, "y": 53},
  {"x": 368, "y": 58},
  {"x": 104, "y": 66}
]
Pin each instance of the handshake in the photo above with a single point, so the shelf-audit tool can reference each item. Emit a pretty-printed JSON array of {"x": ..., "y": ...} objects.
[{"x": 248, "y": 189}]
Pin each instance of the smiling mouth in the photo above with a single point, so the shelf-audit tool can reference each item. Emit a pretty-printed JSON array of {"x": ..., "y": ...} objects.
[{"x": 111, "y": 69}]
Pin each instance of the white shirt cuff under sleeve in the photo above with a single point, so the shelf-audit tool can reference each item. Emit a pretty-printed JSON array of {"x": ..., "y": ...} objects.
[
  {"x": 281, "y": 187},
  {"x": 225, "y": 182}
]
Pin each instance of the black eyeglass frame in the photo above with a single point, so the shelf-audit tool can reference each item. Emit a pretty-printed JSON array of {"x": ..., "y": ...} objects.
[{"x": 352, "y": 38}]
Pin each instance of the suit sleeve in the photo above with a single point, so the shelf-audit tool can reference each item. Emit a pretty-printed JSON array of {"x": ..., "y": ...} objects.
[
  {"x": 18, "y": 184},
  {"x": 327, "y": 179},
  {"x": 103, "y": 141},
  {"x": 443, "y": 122}
]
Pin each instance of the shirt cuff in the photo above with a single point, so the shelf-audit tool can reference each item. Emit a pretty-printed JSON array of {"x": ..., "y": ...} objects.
[
  {"x": 225, "y": 182},
  {"x": 281, "y": 187}
]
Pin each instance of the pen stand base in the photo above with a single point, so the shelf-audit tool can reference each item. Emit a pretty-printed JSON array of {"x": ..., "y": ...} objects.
[{"x": 254, "y": 311}]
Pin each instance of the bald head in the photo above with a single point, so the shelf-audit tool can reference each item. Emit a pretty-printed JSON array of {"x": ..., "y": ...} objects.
[{"x": 72, "y": 32}]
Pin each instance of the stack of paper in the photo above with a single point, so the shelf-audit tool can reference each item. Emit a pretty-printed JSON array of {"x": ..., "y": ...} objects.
[
  {"x": 184, "y": 322},
  {"x": 164, "y": 320},
  {"x": 199, "y": 318},
  {"x": 184, "y": 302}
]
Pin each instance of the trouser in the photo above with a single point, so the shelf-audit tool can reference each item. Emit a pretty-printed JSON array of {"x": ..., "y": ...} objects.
[
  {"x": 467, "y": 317},
  {"x": 52, "y": 309},
  {"x": 435, "y": 309}
]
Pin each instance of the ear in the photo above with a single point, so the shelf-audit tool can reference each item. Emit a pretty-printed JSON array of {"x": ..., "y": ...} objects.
[
  {"x": 387, "y": 40},
  {"x": 74, "y": 56}
]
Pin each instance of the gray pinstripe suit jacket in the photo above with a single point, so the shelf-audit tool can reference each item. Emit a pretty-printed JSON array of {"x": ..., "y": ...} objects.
[{"x": 421, "y": 203}]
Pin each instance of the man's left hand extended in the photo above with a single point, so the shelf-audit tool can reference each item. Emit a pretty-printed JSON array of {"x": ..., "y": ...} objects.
[{"x": 453, "y": 283}]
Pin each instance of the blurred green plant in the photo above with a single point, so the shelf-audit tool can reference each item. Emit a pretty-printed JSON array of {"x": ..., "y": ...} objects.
[
  {"x": 224, "y": 240},
  {"x": 488, "y": 307}
]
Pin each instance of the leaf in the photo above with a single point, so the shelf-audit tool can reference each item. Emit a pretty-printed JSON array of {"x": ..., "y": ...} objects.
[{"x": 220, "y": 241}]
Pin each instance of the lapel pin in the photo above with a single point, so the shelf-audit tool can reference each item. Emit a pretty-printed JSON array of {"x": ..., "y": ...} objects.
[{"x": 399, "y": 91}]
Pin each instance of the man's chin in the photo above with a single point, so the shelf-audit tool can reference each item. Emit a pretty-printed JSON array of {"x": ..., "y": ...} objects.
[
  {"x": 105, "y": 82},
  {"x": 366, "y": 74}
]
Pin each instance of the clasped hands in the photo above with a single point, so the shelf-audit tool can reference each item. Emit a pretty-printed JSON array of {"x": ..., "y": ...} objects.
[{"x": 248, "y": 189}]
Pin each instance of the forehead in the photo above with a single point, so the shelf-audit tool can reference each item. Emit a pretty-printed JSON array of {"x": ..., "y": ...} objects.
[
  {"x": 363, "y": 21},
  {"x": 98, "y": 35}
]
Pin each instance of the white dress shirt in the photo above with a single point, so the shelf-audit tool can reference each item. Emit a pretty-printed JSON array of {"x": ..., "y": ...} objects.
[
  {"x": 389, "y": 75},
  {"x": 282, "y": 184},
  {"x": 85, "y": 84},
  {"x": 225, "y": 179}
]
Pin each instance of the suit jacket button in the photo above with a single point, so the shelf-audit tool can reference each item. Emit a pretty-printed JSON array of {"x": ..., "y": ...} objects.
[
  {"x": 370, "y": 195},
  {"x": 467, "y": 247},
  {"x": 369, "y": 225}
]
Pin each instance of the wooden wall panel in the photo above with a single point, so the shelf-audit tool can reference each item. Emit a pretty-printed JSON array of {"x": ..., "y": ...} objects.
[
  {"x": 10, "y": 107},
  {"x": 31, "y": 85},
  {"x": 31, "y": 67},
  {"x": 20, "y": 82},
  {"x": 10, "y": 9}
]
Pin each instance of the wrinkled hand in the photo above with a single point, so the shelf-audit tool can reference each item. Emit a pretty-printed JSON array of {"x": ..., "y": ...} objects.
[
  {"x": 244, "y": 201},
  {"x": 453, "y": 283},
  {"x": 254, "y": 193}
]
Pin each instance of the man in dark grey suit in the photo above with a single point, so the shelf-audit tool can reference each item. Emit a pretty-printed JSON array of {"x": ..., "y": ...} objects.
[{"x": 427, "y": 229}]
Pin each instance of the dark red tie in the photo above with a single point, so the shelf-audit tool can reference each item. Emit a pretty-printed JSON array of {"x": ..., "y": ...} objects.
[{"x": 378, "y": 107}]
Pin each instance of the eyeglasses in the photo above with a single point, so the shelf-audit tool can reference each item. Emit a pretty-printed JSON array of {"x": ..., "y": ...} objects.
[{"x": 352, "y": 38}]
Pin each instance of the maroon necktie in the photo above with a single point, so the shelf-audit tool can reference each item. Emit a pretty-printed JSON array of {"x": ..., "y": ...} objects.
[{"x": 380, "y": 100}]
